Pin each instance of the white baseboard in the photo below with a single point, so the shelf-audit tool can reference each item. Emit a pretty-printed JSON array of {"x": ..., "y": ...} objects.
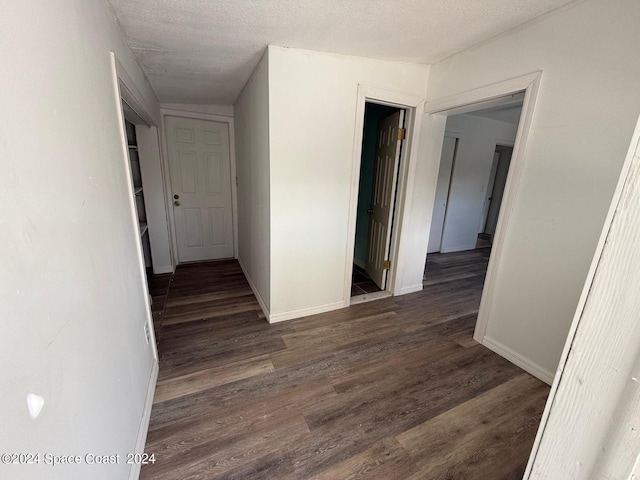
[
  {"x": 367, "y": 297},
  {"x": 517, "y": 359},
  {"x": 255, "y": 291},
  {"x": 141, "y": 441},
  {"x": 410, "y": 289},
  {"x": 164, "y": 269},
  {"x": 303, "y": 312}
]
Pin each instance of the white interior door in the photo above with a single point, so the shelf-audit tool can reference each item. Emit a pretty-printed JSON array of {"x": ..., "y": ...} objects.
[
  {"x": 384, "y": 188},
  {"x": 442, "y": 194},
  {"x": 200, "y": 170}
]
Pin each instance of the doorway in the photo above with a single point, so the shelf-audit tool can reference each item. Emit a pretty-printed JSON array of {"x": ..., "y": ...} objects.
[
  {"x": 383, "y": 132},
  {"x": 474, "y": 167},
  {"x": 201, "y": 191}
]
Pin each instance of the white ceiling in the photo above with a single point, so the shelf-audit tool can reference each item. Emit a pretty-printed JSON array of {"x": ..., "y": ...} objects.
[
  {"x": 509, "y": 113},
  {"x": 203, "y": 51}
]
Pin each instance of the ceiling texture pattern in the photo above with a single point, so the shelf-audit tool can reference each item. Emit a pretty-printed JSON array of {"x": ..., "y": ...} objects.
[{"x": 204, "y": 51}]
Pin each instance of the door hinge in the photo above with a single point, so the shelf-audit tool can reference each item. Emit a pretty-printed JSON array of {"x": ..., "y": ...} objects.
[
  {"x": 401, "y": 133},
  {"x": 387, "y": 265}
]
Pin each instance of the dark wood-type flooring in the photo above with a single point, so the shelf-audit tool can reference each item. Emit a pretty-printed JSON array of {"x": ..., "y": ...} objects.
[
  {"x": 391, "y": 389},
  {"x": 361, "y": 283}
]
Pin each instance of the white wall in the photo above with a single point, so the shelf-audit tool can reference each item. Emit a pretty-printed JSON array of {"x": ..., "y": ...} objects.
[
  {"x": 252, "y": 159},
  {"x": 478, "y": 137},
  {"x": 73, "y": 303},
  {"x": 312, "y": 98},
  {"x": 582, "y": 124}
]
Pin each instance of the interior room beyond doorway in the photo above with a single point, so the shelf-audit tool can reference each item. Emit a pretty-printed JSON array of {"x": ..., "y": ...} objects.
[
  {"x": 474, "y": 167},
  {"x": 375, "y": 181}
]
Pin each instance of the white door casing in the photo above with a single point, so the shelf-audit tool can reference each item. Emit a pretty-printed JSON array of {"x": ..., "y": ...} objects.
[
  {"x": 384, "y": 187},
  {"x": 200, "y": 172},
  {"x": 442, "y": 193}
]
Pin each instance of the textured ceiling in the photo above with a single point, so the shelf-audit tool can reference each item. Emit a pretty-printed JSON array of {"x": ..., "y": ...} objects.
[{"x": 203, "y": 51}]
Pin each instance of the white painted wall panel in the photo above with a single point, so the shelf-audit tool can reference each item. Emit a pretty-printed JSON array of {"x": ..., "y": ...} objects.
[
  {"x": 72, "y": 300},
  {"x": 582, "y": 124},
  {"x": 312, "y": 98},
  {"x": 252, "y": 157}
]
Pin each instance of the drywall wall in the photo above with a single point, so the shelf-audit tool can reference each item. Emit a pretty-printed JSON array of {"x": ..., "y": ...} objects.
[
  {"x": 582, "y": 123},
  {"x": 478, "y": 137},
  {"x": 252, "y": 160},
  {"x": 589, "y": 428},
  {"x": 73, "y": 301},
  {"x": 442, "y": 193},
  {"x": 312, "y": 105},
  {"x": 373, "y": 114}
]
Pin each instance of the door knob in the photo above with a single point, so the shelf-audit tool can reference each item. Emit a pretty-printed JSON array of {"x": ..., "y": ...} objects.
[
  {"x": 369, "y": 210},
  {"x": 176, "y": 203},
  {"x": 176, "y": 196}
]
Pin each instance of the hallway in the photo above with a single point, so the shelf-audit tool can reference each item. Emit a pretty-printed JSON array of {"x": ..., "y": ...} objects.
[{"x": 395, "y": 388}]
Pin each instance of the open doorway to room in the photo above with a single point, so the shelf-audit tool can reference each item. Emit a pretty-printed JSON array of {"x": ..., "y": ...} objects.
[
  {"x": 383, "y": 133},
  {"x": 474, "y": 166}
]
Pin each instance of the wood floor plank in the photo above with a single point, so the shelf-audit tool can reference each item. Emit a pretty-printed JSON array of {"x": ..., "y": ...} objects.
[
  {"x": 241, "y": 291},
  {"x": 385, "y": 459},
  {"x": 211, "y": 377},
  {"x": 492, "y": 454},
  {"x": 431, "y": 441},
  {"x": 211, "y": 452},
  {"x": 211, "y": 310},
  {"x": 241, "y": 399},
  {"x": 395, "y": 388}
]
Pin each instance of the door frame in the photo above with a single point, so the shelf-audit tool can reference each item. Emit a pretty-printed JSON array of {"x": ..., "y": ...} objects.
[
  {"x": 378, "y": 186},
  {"x": 485, "y": 97},
  {"x": 414, "y": 109},
  {"x": 170, "y": 112},
  {"x": 125, "y": 90}
]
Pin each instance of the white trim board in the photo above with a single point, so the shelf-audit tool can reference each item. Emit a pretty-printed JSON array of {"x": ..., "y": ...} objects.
[
  {"x": 290, "y": 315},
  {"x": 368, "y": 297},
  {"x": 409, "y": 158},
  {"x": 304, "y": 312},
  {"x": 411, "y": 289},
  {"x": 119, "y": 76},
  {"x": 129, "y": 93},
  {"x": 517, "y": 359},
  {"x": 141, "y": 441},
  {"x": 472, "y": 100}
]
